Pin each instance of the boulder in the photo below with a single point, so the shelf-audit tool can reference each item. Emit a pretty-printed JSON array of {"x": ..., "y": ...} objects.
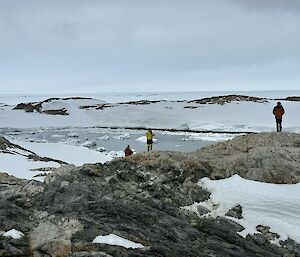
[{"x": 266, "y": 157}]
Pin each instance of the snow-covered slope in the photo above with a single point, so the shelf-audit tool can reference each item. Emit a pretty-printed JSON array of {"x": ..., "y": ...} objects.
[{"x": 232, "y": 116}]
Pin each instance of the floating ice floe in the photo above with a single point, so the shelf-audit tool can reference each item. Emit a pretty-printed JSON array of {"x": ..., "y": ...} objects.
[
  {"x": 122, "y": 136},
  {"x": 114, "y": 154},
  {"x": 104, "y": 138},
  {"x": 101, "y": 149},
  {"x": 89, "y": 144},
  {"x": 73, "y": 134},
  {"x": 209, "y": 137},
  {"x": 71, "y": 141}
]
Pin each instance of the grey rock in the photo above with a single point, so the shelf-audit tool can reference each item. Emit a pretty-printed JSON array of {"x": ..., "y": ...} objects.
[
  {"x": 202, "y": 210},
  {"x": 235, "y": 212},
  {"x": 291, "y": 246},
  {"x": 267, "y": 157},
  {"x": 265, "y": 230}
]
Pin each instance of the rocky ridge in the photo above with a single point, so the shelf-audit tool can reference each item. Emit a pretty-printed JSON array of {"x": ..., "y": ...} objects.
[
  {"x": 228, "y": 99},
  {"x": 139, "y": 198}
]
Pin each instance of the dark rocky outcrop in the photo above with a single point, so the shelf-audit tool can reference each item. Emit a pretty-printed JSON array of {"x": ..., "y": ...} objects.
[
  {"x": 229, "y": 98},
  {"x": 97, "y": 106},
  {"x": 143, "y": 102},
  {"x": 290, "y": 98},
  {"x": 37, "y": 106},
  {"x": 138, "y": 198},
  {"x": 62, "y": 111},
  {"x": 28, "y": 107},
  {"x": 235, "y": 212}
]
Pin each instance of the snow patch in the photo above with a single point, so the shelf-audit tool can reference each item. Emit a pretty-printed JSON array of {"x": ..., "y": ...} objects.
[
  {"x": 273, "y": 205},
  {"x": 113, "y": 239},
  {"x": 101, "y": 149},
  {"x": 13, "y": 233},
  {"x": 89, "y": 144},
  {"x": 209, "y": 137},
  {"x": 122, "y": 136}
]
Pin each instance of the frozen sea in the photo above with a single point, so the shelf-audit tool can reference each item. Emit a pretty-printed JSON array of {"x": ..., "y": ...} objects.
[{"x": 114, "y": 139}]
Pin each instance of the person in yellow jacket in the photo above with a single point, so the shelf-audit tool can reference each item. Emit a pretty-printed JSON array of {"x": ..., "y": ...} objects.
[{"x": 149, "y": 137}]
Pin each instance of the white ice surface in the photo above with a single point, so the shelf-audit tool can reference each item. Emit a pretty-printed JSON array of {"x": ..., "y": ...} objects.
[
  {"x": 13, "y": 233},
  {"x": 273, "y": 205},
  {"x": 113, "y": 239},
  {"x": 122, "y": 136},
  {"x": 20, "y": 166},
  {"x": 208, "y": 137},
  {"x": 77, "y": 155},
  {"x": 235, "y": 116}
]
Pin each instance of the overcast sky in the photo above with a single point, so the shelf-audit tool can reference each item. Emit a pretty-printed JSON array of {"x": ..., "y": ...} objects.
[{"x": 149, "y": 45}]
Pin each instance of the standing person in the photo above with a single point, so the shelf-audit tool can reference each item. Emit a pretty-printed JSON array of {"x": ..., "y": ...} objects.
[
  {"x": 128, "y": 151},
  {"x": 278, "y": 112},
  {"x": 149, "y": 137}
]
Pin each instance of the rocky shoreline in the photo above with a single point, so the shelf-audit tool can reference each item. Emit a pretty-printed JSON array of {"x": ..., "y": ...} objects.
[{"x": 140, "y": 199}]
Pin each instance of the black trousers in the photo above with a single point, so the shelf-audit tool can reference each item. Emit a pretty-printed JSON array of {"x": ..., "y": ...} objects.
[
  {"x": 279, "y": 125},
  {"x": 149, "y": 144}
]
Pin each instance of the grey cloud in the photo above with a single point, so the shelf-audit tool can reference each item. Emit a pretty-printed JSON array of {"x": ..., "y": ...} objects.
[
  {"x": 71, "y": 43},
  {"x": 292, "y": 6}
]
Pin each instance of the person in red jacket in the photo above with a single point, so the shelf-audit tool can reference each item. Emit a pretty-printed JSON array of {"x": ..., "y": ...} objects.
[
  {"x": 128, "y": 151},
  {"x": 278, "y": 112}
]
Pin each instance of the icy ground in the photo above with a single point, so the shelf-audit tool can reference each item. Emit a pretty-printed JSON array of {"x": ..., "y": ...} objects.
[{"x": 233, "y": 116}]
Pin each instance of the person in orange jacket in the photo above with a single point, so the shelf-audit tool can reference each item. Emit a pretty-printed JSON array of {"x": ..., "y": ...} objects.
[
  {"x": 278, "y": 112},
  {"x": 128, "y": 151}
]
